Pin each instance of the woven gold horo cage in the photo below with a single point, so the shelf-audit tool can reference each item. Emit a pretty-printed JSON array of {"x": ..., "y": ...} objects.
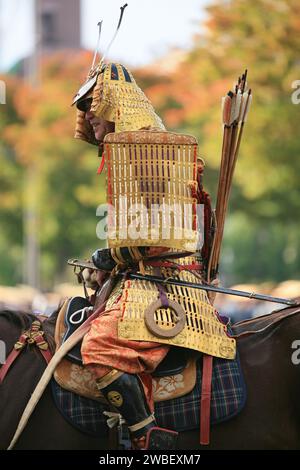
[
  {"x": 150, "y": 178},
  {"x": 151, "y": 188}
]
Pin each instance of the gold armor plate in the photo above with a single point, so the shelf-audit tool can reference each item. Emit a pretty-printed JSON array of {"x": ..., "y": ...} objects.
[{"x": 203, "y": 331}]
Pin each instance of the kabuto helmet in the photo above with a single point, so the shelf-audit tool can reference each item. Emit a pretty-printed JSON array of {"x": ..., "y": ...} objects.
[{"x": 112, "y": 93}]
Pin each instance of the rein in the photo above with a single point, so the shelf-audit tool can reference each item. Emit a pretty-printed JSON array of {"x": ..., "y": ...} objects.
[{"x": 33, "y": 336}]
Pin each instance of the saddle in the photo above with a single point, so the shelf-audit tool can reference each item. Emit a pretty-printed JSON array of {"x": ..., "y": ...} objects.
[{"x": 178, "y": 368}]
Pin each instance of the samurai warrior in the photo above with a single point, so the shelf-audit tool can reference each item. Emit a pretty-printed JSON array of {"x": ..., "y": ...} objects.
[
  {"x": 142, "y": 320},
  {"x": 154, "y": 228}
]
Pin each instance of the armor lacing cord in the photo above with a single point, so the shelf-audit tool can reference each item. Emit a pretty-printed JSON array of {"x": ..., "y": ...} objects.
[
  {"x": 119, "y": 260},
  {"x": 134, "y": 254},
  {"x": 142, "y": 267},
  {"x": 188, "y": 268},
  {"x": 171, "y": 264},
  {"x": 162, "y": 292}
]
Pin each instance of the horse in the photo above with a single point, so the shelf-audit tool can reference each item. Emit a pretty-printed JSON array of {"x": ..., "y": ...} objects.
[
  {"x": 47, "y": 429},
  {"x": 270, "y": 419}
]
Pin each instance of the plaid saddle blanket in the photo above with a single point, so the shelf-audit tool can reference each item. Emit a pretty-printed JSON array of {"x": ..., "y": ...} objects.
[{"x": 180, "y": 414}]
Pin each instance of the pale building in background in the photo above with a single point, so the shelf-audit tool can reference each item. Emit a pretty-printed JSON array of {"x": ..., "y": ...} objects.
[{"x": 59, "y": 24}]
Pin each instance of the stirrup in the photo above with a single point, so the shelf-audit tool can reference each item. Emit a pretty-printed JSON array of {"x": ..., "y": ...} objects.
[{"x": 157, "y": 439}]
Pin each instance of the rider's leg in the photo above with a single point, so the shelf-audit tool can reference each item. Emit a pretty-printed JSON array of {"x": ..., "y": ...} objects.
[
  {"x": 105, "y": 354},
  {"x": 126, "y": 394}
]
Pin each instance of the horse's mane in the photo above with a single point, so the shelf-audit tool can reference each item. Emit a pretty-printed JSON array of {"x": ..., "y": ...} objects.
[{"x": 21, "y": 319}]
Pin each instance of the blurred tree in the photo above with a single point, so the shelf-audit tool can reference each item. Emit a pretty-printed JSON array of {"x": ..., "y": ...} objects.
[{"x": 38, "y": 126}]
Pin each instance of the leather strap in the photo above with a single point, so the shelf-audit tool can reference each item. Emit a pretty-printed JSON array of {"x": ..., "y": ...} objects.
[
  {"x": 42, "y": 345},
  {"x": 205, "y": 399},
  {"x": 8, "y": 363}
]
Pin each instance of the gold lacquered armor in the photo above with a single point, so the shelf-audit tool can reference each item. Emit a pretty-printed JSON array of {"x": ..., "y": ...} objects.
[
  {"x": 203, "y": 330},
  {"x": 116, "y": 97}
]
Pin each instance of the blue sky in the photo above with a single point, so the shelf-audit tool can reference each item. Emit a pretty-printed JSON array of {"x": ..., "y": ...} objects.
[{"x": 149, "y": 29}]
